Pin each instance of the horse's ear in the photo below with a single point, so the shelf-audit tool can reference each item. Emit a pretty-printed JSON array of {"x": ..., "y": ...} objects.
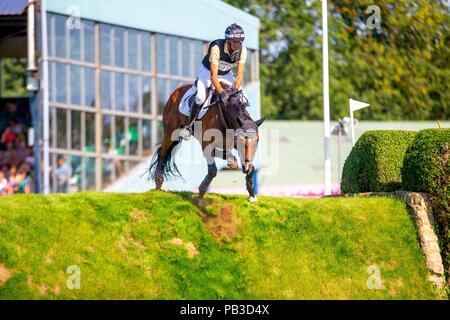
[{"x": 260, "y": 121}]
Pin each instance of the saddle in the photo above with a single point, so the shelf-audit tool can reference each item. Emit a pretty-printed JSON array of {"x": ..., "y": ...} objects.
[{"x": 189, "y": 96}]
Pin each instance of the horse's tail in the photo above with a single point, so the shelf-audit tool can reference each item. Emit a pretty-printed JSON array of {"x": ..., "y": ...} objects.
[{"x": 170, "y": 167}]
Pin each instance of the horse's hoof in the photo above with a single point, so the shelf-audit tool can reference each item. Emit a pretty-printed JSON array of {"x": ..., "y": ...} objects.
[
  {"x": 202, "y": 202},
  {"x": 232, "y": 165},
  {"x": 252, "y": 199}
]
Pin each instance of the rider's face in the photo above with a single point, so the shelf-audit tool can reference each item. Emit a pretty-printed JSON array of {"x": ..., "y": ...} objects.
[{"x": 234, "y": 44}]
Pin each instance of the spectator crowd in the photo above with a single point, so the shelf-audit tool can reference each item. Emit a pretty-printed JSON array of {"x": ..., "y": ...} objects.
[{"x": 16, "y": 158}]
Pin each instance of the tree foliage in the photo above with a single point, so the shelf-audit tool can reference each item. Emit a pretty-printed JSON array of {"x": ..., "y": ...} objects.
[
  {"x": 13, "y": 76},
  {"x": 401, "y": 69}
]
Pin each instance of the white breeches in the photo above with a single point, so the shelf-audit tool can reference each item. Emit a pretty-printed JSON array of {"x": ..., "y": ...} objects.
[{"x": 204, "y": 82}]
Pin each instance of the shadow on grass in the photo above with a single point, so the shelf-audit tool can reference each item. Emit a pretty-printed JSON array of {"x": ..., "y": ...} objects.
[{"x": 203, "y": 205}]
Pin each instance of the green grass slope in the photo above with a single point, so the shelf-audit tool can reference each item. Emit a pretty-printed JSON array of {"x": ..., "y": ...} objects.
[{"x": 159, "y": 245}]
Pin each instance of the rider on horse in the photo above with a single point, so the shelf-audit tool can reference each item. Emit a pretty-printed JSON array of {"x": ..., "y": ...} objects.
[{"x": 222, "y": 56}]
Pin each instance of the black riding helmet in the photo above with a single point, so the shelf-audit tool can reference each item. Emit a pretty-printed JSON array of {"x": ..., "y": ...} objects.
[{"x": 234, "y": 32}]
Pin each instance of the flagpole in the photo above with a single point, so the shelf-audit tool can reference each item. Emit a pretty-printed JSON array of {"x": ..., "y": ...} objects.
[
  {"x": 326, "y": 101},
  {"x": 355, "y": 105},
  {"x": 352, "y": 127}
]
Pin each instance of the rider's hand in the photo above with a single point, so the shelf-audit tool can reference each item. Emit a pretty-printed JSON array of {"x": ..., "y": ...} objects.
[
  {"x": 224, "y": 96},
  {"x": 234, "y": 90}
]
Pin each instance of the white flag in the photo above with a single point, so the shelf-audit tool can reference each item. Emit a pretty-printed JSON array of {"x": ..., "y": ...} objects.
[{"x": 356, "y": 105}]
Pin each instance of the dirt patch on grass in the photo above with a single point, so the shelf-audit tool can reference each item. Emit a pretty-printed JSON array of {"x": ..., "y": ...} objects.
[
  {"x": 57, "y": 289},
  {"x": 5, "y": 274},
  {"x": 49, "y": 257},
  {"x": 189, "y": 246},
  {"x": 129, "y": 242},
  {"x": 80, "y": 259},
  {"x": 224, "y": 225},
  {"x": 137, "y": 216},
  {"x": 43, "y": 288},
  {"x": 134, "y": 258}
]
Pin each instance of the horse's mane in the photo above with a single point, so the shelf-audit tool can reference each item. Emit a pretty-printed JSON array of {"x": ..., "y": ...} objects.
[{"x": 237, "y": 111}]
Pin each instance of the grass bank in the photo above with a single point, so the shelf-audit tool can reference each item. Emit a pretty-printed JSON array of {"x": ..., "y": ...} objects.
[{"x": 159, "y": 245}]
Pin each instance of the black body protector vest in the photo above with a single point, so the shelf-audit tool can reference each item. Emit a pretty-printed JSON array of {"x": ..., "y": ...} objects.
[{"x": 226, "y": 62}]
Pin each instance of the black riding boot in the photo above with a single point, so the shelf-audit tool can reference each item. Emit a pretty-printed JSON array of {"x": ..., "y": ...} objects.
[
  {"x": 186, "y": 131},
  {"x": 195, "y": 108}
]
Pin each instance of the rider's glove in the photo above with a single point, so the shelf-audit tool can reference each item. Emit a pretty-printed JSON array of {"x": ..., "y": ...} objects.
[{"x": 224, "y": 96}]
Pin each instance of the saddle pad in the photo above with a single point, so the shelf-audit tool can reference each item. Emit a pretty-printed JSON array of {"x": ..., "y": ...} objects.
[{"x": 184, "y": 103}]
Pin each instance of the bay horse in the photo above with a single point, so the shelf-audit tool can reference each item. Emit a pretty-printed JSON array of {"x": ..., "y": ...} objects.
[{"x": 222, "y": 128}]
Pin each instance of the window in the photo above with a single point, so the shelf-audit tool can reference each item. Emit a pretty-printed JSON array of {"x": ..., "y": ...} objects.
[
  {"x": 146, "y": 95},
  {"x": 75, "y": 43},
  {"x": 251, "y": 68},
  {"x": 61, "y": 128},
  {"x": 105, "y": 44},
  {"x": 119, "y": 47},
  {"x": 61, "y": 82},
  {"x": 75, "y": 134},
  {"x": 105, "y": 88},
  {"x": 133, "y": 136},
  {"x": 75, "y": 85},
  {"x": 198, "y": 55},
  {"x": 133, "y": 93},
  {"x": 89, "y": 41},
  {"x": 89, "y": 85},
  {"x": 90, "y": 177},
  {"x": 188, "y": 58},
  {"x": 52, "y": 126},
  {"x": 146, "y": 137},
  {"x": 162, "y": 92},
  {"x": 75, "y": 184},
  {"x": 120, "y": 138},
  {"x": 119, "y": 90},
  {"x": 90, "y": 132},
  {"x": 60, "y": 36},
  {"x": 133, "y": 49},
  {"x": 162, "y": 44},
  {"x": 51, "y": 81},
  {"x": 107, "y": 143},
  {"x": 175, "y": 54},
  {"x": 146, "y": 57}
]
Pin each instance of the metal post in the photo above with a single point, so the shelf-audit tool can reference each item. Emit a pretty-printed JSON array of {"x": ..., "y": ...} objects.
[
  {"x": 352, "y": 127},
  {"x": 326, "y": 100},
  {"x": 31, "y": 37},
  {"x": 339, "y": 156},
  {"x": 45, "y": 98}
]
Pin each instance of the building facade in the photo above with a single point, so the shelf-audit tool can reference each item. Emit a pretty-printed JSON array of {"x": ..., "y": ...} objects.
[{"x": 111, "y": 66}]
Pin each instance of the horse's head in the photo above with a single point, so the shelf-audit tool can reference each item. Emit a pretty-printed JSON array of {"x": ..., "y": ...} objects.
[{"x": 246, "y": 129}]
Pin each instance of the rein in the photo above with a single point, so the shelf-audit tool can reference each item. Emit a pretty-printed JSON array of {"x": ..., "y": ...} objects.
[{"x": 225, "y": 119}]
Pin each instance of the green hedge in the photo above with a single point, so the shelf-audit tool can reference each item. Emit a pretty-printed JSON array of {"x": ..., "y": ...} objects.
[
  {"x": 375, "y": 162},
  {"x": 427, "y": 169},
  {"x": 424, "y": 165}
]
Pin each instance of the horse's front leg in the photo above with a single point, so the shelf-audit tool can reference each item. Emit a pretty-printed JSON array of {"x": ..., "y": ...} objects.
[
  {"x": 250, "y": 184},
  {"x": 212, "y": 172}
]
